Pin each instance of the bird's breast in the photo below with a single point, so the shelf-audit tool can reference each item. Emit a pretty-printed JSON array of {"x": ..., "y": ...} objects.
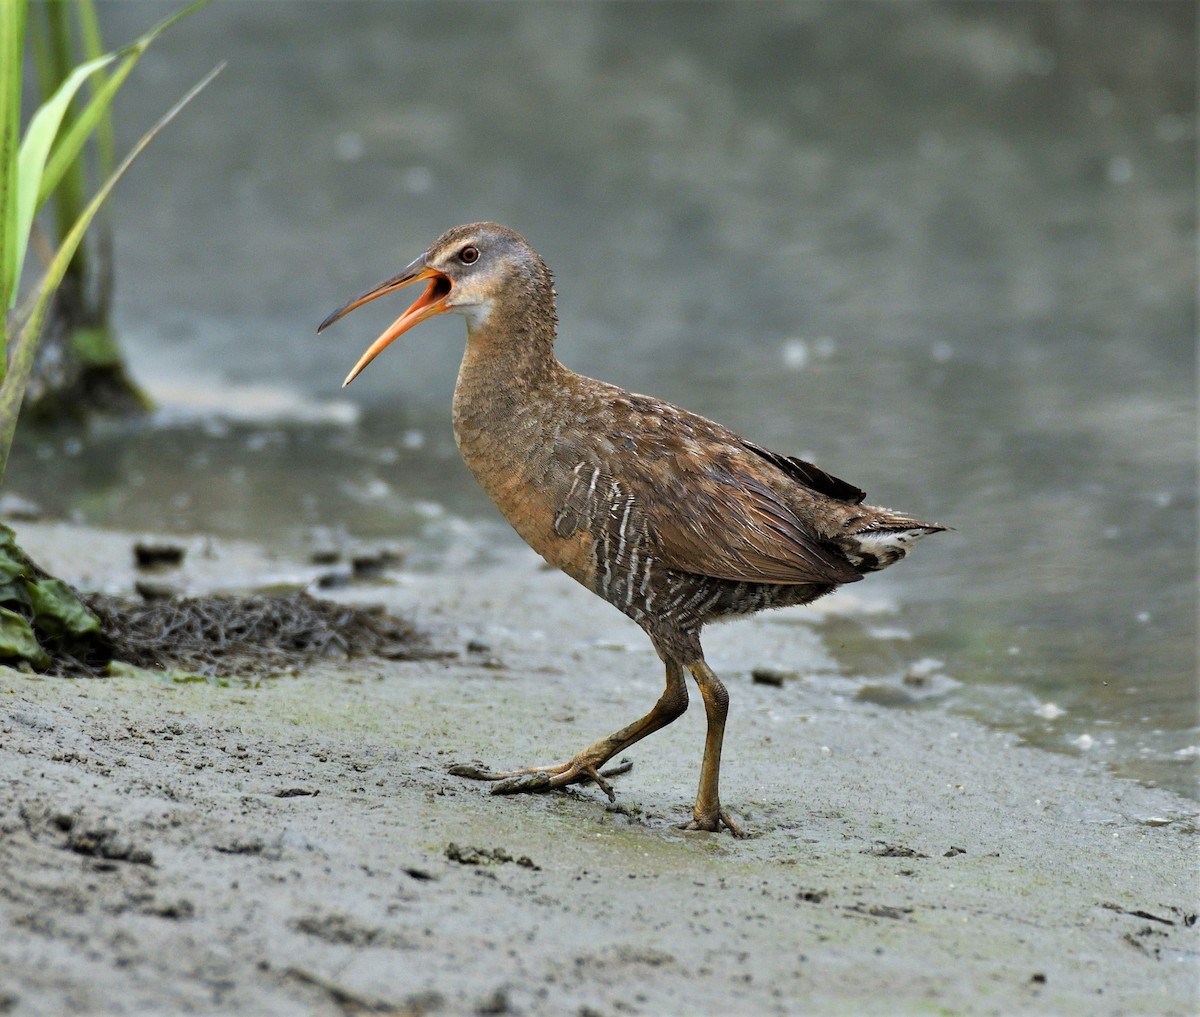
[{"x": 516, "y": 456}]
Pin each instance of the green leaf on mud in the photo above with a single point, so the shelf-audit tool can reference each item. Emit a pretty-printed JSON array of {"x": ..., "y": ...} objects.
[
  {"x": 14, "y": 568},
  {"x": 17, "y": 640},
  {"x": 172, "y": 675},
  {"x": 11, "y": 569},
  {"x": 57, "y": 611},
  {"x": 13, "y": 592},
  {"x": 120, "y": 669},
  {"x": 9, "y": 551}
]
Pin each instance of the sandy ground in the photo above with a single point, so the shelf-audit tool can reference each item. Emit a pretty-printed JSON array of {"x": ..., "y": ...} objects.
[{"x": 299, "y": 847}]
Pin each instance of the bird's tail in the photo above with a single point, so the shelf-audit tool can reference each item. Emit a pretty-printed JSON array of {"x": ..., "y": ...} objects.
[{"x": 883, "y": 540}]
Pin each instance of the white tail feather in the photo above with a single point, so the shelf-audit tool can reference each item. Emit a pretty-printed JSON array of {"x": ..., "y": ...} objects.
[{"x": 872, "y": 550}]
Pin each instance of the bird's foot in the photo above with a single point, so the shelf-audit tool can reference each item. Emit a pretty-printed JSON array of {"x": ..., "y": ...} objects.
[
  {"x": 714, "y": 822},
  {"x": 536, "y": 779},
  {"x": 535, "y": 783}
]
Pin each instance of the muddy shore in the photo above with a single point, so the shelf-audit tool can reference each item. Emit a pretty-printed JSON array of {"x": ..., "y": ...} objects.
[{"x": 298, "y": 847}]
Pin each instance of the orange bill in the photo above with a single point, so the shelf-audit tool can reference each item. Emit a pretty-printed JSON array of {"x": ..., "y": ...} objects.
[{"x": 429, "y": 303}]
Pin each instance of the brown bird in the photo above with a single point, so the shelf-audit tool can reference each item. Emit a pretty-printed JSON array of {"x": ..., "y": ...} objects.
[{"x": 674, "y": 520}]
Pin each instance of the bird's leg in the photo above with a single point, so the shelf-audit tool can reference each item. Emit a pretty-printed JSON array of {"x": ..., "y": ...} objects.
[
  {"x": 708, "y": 814},
  {"x": 585, "y": 766}
]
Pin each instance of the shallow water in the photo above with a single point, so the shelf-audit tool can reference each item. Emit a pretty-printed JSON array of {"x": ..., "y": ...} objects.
[{"x": 947, "y": 251}]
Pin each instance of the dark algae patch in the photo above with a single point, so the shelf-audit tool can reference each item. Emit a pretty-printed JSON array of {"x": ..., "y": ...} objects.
[{"x": 221, "y": 635}]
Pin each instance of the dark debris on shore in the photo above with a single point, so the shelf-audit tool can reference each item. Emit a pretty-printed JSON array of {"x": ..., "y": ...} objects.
[{"x": 220, "y": 635}]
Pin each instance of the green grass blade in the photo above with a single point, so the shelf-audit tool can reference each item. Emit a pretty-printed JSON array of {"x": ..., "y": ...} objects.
[
  {"x": 93, "y": 47},
  {"x": 55, "y": 59},
  {"x": 32, "y": 315},
  {"x": 35, "y": 148},
  {"x": 67, "y": 150},
  {"x": 101, "y": 262},
  {"x": 42, "y": 163},
  {"x": 79, "y": 129},
  {"x": 12, "y": 41}
]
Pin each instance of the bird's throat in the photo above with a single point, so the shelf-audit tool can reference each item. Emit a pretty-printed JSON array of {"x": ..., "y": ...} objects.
[{"x": 508, "y": 367}]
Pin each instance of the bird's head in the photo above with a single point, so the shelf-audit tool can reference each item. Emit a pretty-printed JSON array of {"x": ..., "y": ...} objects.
[{"x": 468, "y": 270}]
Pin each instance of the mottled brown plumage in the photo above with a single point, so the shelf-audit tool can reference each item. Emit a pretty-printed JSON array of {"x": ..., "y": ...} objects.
[{"x": 671, "y": 518}]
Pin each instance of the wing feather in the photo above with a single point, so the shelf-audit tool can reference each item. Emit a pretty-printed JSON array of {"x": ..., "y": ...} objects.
[
  {"x": 698, "y": 498},
  {"x": 735, "y": 527},
  {"x": 810, "y": 475}
]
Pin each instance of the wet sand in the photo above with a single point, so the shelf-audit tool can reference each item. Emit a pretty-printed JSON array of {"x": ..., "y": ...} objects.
[{"x": 299, "y": 847}]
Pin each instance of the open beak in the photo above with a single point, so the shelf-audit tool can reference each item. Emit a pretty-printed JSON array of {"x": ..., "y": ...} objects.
[{"x": 429, "y": 303}]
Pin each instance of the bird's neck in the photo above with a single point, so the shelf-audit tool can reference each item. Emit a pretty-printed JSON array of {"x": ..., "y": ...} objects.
[{"x": 508, "y": 370}]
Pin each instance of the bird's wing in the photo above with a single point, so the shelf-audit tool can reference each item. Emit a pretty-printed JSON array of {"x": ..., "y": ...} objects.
[
  {"x": 691, "y": 495},
  {"x": 727, "y": 523}
]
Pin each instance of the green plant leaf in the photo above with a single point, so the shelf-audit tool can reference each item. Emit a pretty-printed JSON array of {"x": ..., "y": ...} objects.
[
  {"x": 33, "y": 313},
  {"x": 13, "y": 593},
  {"x": 93, "y": 47},
  {"x": 57, "y": 611},
  {"x": 17, "y": 640},
  {"x": 43, "y": 162},
  {"x": 121, "y": 669},
  {"x": 35, "y": 150},
  {"x": 67, "y": 150},
  {"x": 12, "y": 39},
  {"x": 54, "y": 56},
  {"x": 13, "y": 566}
]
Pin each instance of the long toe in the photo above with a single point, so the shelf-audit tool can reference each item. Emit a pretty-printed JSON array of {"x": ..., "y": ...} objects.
[
  {"x": 715, "y": 822},
  {"x": 530, "y": 783},
  {"x": 534, "y": 779},
  {"x": 732, "y": 825},
  {"x": 548, "y": 778},
  {"x": 475, "y": 772}
]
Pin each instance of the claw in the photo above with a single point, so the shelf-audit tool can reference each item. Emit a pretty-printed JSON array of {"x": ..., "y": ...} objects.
[{"x": 600, "y": 782}]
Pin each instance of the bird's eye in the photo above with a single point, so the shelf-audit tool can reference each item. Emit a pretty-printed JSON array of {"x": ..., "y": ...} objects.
[{"x": 468, "y": 255}]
